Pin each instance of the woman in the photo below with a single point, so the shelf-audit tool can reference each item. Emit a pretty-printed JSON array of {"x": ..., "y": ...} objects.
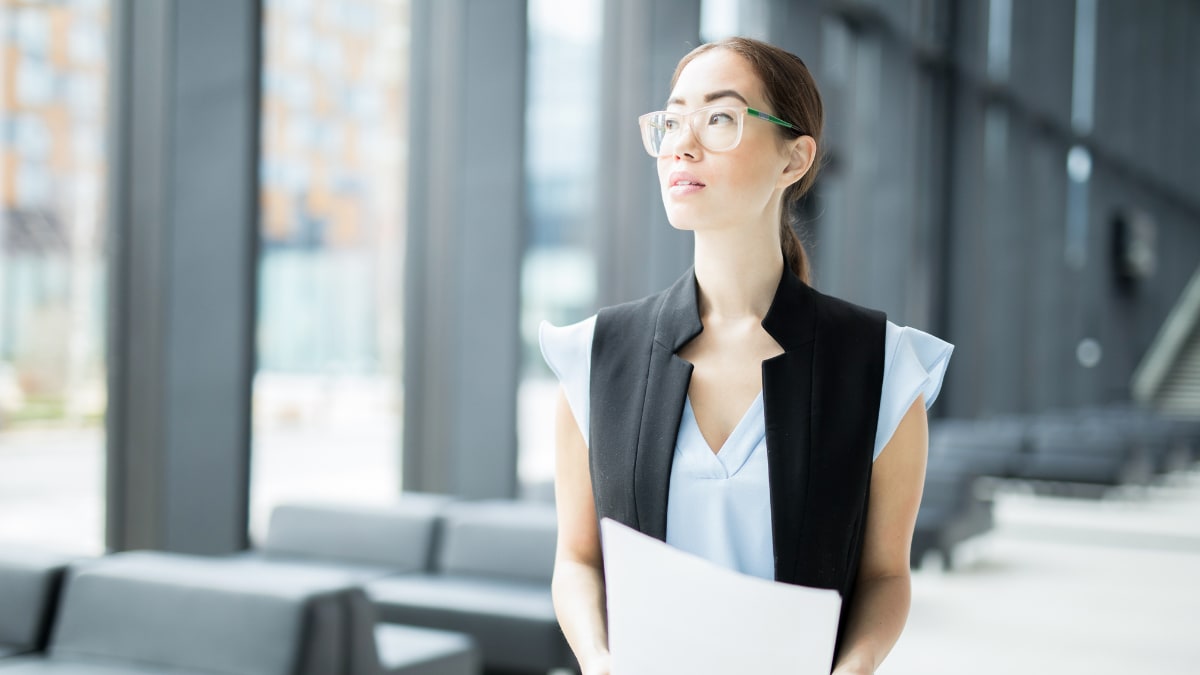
[{"x": 741, "y": 415}]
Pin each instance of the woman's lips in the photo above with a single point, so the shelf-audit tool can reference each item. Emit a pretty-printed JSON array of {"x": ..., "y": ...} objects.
[{"x": 684, "y": 183}]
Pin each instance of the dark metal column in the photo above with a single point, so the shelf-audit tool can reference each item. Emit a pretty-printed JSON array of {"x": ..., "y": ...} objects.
[
  {"x": 183, "y": 196},
  {"x": 465, "y": 230}
]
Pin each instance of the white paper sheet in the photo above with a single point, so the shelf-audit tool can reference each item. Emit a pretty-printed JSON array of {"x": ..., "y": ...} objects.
[{"x": 672, "y": 612}]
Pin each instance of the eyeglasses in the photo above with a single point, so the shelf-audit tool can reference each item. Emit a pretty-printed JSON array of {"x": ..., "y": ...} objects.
[{"x": 717, "y": 128}]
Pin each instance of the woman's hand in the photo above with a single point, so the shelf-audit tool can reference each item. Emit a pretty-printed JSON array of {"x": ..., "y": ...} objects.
[
  {"x": 853, "y": 666},
  {"x": 601, "y": 665}
]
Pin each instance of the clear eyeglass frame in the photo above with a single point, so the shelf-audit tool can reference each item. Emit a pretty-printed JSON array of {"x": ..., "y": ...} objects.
[{"x": 711, "y": 126}]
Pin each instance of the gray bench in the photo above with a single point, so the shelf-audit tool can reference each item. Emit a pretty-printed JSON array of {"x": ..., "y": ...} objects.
[
  {"x": 157, "y": 612},
  {"x": 491, "y": 580},
  {"x": 29, "y": 585}
]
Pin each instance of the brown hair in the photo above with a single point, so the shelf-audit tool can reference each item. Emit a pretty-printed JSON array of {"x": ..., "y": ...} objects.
[{"x": 792, "y": 95}]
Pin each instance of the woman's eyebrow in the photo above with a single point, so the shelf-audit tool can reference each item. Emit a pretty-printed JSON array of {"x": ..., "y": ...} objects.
[{"x": 709, "y": 98}]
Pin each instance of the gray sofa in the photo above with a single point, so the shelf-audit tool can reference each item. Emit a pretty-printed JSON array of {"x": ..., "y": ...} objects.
[
  {"x": 364, "y": 541},
  {"x": 29, "y": 586},
  {"x": 490, "y": 579},
  {"x": 142, "y": 612}
]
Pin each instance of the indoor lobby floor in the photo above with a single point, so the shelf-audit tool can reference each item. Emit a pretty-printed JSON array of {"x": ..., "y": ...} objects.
[
  {"x": 1101, "y": 587},
  {"x": 1066, "y": 586}
]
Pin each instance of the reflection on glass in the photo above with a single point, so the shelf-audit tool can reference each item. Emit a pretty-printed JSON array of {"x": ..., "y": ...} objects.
[
  {"x": 52, "y": 274},
  {"x": 558, "y": 280},
  {"x": 326, "y": 394}
]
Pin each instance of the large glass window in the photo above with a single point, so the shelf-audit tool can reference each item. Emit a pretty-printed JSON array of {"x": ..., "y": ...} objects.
[
  {"x": 558, "y": 275},
  {"x": 327, "y": 408},
  {"x": 53, "y": 62}
]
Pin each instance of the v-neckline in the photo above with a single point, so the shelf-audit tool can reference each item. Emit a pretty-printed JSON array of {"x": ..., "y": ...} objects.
[{"x": 737, "y": 430}]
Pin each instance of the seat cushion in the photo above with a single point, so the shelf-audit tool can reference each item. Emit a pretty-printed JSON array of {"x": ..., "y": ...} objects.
[
  {"x": 408, "y": 650},
  {"x": 495, "y": 597},
  {"x": 397, "y": 537},
  {"x": 358, "y": 573},
  {"x": 192, "y": 613},
  {"x": 513, "y": 540},
  {"x": 512, "y": 621}
]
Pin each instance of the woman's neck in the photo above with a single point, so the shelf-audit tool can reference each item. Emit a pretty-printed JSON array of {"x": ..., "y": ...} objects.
[{"x": 738, "y": 273}]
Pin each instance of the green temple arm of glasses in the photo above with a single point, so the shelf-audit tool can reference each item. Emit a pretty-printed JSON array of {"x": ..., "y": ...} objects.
[{"x": 771, "y": 118}]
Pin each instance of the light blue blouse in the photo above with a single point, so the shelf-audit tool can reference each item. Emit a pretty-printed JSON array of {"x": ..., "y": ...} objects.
[{"x": 719, "y": 504}]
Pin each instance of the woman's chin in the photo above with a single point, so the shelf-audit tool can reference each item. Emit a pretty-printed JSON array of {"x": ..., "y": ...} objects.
[
  {"x": 691, "y": 223},
  {"x": 686, "y": 219}
]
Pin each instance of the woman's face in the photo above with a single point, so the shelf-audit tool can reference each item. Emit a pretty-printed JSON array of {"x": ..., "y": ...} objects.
[{"x": 705, "y": 190}]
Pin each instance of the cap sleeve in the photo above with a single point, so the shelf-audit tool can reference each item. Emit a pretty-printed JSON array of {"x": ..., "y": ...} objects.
[
  {"x": 913, "y": 363},
  {"x": 568, "y": 352}
]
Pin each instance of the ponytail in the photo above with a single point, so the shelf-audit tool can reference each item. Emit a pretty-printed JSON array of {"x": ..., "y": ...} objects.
[{"x": 794, "y": 255}]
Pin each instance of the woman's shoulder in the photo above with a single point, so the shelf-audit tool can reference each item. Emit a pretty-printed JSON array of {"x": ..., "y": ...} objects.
[
  {"x": 906, "y": 344},
  {"x": 642, "y": 309},
  {"x": 915, "y": 364},
  {"x": 575, "y": 339},
  {"x": 568, "y": 351},
  {"x": 834, "y": 308},
  {"x": 566, "y": 344}
]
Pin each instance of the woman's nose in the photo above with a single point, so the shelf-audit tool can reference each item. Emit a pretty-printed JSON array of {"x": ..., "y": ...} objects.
[{"x": 687, "y": 145}]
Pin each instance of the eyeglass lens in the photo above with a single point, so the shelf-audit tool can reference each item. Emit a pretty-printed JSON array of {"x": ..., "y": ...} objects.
[{"x": 715, "y": 128}]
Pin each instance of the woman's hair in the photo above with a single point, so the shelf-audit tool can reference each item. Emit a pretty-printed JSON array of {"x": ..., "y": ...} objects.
[{"x": 792, "y": 95}]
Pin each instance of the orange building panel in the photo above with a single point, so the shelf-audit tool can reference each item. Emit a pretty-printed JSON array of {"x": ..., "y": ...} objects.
[
  {"x": 8, "y": 178},
  {"x": 276, "y": 213},
  {"x": 319, "y": 200},
  {"x": 58, "y": 121},
  {"x": 8, "y": 83},
  {"x": 345, "y": 229},
  {"x": 60, "y": 36}
]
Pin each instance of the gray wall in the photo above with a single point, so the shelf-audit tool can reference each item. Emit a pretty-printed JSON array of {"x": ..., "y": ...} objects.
[{"x": 947, "y": 201}]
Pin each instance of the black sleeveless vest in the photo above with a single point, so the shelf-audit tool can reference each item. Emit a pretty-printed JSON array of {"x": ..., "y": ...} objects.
[{"x": 821, "y": 403}]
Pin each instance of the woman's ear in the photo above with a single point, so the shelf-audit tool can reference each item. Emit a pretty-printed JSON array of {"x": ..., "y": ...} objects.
[{"x": 801, "y": 153}]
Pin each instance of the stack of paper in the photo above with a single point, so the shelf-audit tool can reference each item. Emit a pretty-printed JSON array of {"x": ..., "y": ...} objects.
[{"x": 672, "y": 612}]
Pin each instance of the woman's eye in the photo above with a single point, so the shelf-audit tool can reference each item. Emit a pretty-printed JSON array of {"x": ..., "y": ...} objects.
[
  {"x": 719, "y": 119},
  {"x": 670, "y": 124}
]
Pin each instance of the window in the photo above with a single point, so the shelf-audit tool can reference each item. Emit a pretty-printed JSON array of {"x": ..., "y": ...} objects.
[
  {"x": 558, "y": 275},
  {"x": 53, "y": 78},
  {"x": 327, "y": 401}
]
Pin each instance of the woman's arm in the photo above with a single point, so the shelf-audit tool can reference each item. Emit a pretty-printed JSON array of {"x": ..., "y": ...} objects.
[
  {"x": 578, "y": 585},
  {"x": 882, "y": 597}
]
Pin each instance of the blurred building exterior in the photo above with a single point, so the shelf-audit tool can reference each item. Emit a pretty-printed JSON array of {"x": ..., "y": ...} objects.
[
  {"x": 334, "y": 226},
  {"x": 52, "y": 167},
  {"x": 330, "y": 274},
  {"x": 53, "y": 271}
]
